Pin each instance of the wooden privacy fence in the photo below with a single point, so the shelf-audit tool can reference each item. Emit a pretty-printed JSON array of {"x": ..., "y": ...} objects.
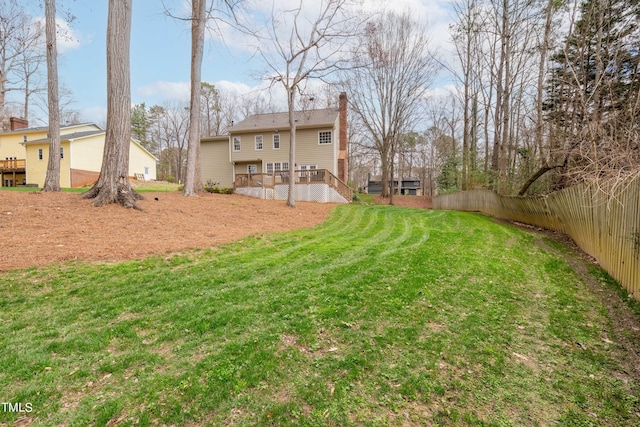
[{"x": 604, "y": 222}]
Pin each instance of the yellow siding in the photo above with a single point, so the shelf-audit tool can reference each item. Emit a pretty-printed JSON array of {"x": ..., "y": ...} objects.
[
  {"x": 140, "y": 161},
  {"x": 82, "y": 154},
  {"x": 214, "y": 162},
  {"x": 37, "y": 169},
  {"x": 86, "y": 153},
  {"x": 65, "y": 170},
  {"x": 10, "y": 146},
  {"x": 11, "y": 143}
]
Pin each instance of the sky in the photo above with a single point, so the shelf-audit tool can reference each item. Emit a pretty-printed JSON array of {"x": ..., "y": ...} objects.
[{"x": 161, "y": 46}]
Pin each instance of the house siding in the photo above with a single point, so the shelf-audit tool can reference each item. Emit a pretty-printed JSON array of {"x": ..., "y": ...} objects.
[
  {"x": 37, "y": 169},
  {"x": 87, "y": 153},
  {"x": 308, "y": 150},
  {"x": 140, "y": 160},
  {"x": 83, "y": 155},
  {"x": 215, "y": 164},
  {"x": 10, "y": 146}
]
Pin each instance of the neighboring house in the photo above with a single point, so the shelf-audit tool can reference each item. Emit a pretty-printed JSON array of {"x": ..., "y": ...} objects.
[
  {"x": 24, "y": 154},
  {"x": 409, "y": 186},
  {"x": 254, "y": 156}
]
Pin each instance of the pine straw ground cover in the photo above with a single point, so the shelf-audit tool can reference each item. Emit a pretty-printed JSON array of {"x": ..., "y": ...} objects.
[
  {"x": 378, "y": 316},
  {"x": 39, "y": 228}
]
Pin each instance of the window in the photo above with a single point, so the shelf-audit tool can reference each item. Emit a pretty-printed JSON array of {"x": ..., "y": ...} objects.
[
  {"x": 258, "y": 142},
  {"x": 307, "y": 171},
  {"x": 236, "y": 143},
  {"x": 40, "y": 155},
  {"x": 24, "y": 138},
  {"x": 252, "y": 168},
  {"x": 324, "y": 137},
  {"x": 276, "y": 142},
  {"x": 277, "y": 167},
  {"x": 61, "y": 153}
]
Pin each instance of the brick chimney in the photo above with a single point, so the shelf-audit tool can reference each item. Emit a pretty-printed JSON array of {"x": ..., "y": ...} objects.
[
  {"x": 16, "y": 123},
  {"x": 343, "y": 167}
]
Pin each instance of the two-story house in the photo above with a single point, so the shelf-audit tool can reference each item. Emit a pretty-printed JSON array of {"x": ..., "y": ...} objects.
[
  {"x": 24, "y": 155},
  {"x": 254, "y": 156}
]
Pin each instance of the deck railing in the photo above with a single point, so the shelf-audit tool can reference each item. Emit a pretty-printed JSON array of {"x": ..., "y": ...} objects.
[
  {"x": 12, "y": 165},
  {"x": 313, "y": 176}
]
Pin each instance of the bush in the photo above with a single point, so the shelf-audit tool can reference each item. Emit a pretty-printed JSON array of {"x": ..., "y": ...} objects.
[{"x": 214, "y": 187}]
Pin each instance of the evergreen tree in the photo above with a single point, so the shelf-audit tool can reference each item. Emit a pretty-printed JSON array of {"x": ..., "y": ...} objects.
[{"x": 593, "y": 93}]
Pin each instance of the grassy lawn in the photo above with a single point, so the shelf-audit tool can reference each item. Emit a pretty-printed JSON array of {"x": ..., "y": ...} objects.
[
  {"x": 381, "y": 316},
  {"x": 139, "y": 186}
]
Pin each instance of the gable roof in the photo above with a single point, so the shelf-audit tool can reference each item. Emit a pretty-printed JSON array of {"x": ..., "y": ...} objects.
[
  {"x": 44, "y": 128},
  {"x": 67, "y": 137},
  {"x": 86, "y": 134},
  {"x": 277, "y": 121}
]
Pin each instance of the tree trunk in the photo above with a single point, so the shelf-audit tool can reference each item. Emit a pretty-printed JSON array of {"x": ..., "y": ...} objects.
[
  {"x": 198, "y": 22},
  {"x": 291, "y": 199},
  {"x": 544, "y": 50},
  {"x": 392, "y": 172},
  {"x": 384, "y": 169},
  {"x": 113, "y": 184},
  {"x": 52, "y": 178}
]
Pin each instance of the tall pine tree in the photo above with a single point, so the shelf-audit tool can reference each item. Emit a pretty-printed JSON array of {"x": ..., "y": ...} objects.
[{"x": 593, "y": 97}]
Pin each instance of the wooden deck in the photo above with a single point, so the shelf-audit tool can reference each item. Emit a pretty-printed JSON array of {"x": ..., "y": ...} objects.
[
  {"x": 315, "y": 176},
  {"x": 15, "y": 165},
  {"x": 12, "y": 172}
]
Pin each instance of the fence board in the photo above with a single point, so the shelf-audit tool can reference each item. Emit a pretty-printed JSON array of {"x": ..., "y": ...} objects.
[{"x": 604, "y": 222}]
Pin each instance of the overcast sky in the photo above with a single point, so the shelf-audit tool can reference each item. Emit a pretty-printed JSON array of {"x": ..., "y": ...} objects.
[{"x": 160, "y": 52}]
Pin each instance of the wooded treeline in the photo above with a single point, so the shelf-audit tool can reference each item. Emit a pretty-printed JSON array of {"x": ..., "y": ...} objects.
[
  {"x": 542, "y": 94},
  {"x": 546, "y": 96}
]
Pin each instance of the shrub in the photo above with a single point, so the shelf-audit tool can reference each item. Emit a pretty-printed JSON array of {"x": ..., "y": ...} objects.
[{"x": 214, "y": 187}]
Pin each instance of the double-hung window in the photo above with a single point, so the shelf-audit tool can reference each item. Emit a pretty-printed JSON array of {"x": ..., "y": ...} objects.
[
  {"x": 258, "y": 142},
  {"x": 236, "y": 143},
  {"x": 276, "y": 141}
]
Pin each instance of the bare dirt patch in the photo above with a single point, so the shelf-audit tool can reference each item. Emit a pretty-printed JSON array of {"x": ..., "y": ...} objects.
[
  {"x": 40, "y": 228},
  {"x": 418, "y": 202}
]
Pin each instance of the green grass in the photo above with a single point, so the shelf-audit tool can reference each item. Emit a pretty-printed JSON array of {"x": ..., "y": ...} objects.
[
  {"x": 380, "y": 316},
  {"x": 139, "y": 186}
]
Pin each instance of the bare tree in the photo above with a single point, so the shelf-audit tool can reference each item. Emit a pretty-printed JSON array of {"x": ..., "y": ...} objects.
[
  {"x": 170, "y": 130},
  {"x": 464, "y": 35},
  {"x": 113, "y": 184},
  {"x": 305, "y": 42},
  {"x": 19, "y": 41},
  {"x": 388, "y": 86},
  {"x": 52, "y": 178},
  {"x": 29, "y": 65}
]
